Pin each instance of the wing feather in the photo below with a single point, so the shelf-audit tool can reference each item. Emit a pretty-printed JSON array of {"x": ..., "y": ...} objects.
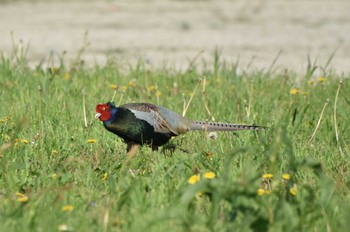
[{"x": 150, "y": 113}]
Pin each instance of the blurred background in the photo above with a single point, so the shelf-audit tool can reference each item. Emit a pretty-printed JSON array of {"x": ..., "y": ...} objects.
[{"x": 173, "y": 34}]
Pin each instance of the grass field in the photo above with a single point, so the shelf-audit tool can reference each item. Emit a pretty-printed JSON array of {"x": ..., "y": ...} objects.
[{"x": 62, "y": 171}]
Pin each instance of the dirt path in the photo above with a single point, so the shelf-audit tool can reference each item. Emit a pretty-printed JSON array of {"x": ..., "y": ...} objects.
[{"x": 172, "y": 32}]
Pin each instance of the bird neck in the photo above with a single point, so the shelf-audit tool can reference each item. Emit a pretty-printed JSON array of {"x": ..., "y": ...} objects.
[{"x": 114, "y": 113}]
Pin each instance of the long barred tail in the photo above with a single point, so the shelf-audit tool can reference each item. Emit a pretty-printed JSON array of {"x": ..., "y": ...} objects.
[{"x": 219, "y": 126}]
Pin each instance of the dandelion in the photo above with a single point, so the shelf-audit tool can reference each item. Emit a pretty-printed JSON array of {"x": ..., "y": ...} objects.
[
  {"x": 151, "y": 88},
  {"x": 267, "y": 176},
  {"x": 124, "y": 88},
  {"x": 310, "y": 82},
  {"x": 294, "y": 91},
  {"x": 321, "y": 79},
  {"x": 105, "y": 176},
  {"x": 66, "y": 76},
  {"x": 21, "y": 197},
  {"x": 194, "y": 179},
  {"x": 67, "y": 208},
  {"x": 304, "y": 93},
  {"x": 260, "y": 192},
  {"x": 114, "y": 87},
  {"x": 132, "y": 83},
  {"x": 293, "y": 191},
  {"x": 18, "y": 194},
  {"x": 158, "y": 93},
  {"x": 209, "y": 175},
  {"x": 286, "y": 176},
  {"x": 91, "y": 140},
  {"x": 54, "y": 176},
  {"x": 17, "y": 141},
  {"x": 55, "y": 70}
]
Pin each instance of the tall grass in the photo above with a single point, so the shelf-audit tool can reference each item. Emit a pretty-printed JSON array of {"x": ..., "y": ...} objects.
[{"x": 53, "y": 178}]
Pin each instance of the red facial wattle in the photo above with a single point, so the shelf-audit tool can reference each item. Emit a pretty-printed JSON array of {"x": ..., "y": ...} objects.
[{"x": 104, "y": 111}]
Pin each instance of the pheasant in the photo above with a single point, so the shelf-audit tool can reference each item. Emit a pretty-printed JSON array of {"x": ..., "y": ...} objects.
[{"x": 145, "y": 123}]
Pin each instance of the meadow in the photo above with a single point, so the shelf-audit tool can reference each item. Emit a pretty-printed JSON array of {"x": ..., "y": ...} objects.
[{"x": 62, "y": 171}]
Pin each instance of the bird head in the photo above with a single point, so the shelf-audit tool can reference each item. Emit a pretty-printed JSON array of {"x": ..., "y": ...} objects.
[{"x": 103, "y": 111}]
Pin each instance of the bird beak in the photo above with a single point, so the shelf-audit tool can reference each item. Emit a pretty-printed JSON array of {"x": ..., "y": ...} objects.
[{"x": 97, "y": 115}]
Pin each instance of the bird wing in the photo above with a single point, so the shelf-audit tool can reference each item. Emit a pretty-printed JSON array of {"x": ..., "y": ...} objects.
[{"x": 150, "y": 113}]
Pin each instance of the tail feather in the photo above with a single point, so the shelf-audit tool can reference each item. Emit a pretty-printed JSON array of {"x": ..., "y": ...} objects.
[{"x": 219, "y": 126}]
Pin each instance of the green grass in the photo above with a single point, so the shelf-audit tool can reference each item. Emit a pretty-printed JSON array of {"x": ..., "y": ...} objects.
[{"x": 150, "y": 192}]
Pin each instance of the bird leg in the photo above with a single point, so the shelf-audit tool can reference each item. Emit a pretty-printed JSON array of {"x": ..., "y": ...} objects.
[
  {"x": 154, "y": 147},
  {"x": 130, "y": 146}
]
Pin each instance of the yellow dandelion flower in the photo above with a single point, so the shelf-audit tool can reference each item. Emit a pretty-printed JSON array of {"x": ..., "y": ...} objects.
[
  {"x": 91, "y": 140},
  {"x": 124, "y": 88},
  {"x": 286, "y": 176},
  {"x": 151, "y": 88},
  {"x": 132, "y": 83},
  {"x": 304, "y": 93},
  {"x": 321, "y": 79},
  {"x": 105, "y": 176},
  {"x": 17, "y": 141},
  {"x": 158, "y": 93},
  {"x": 293, "y": 191},
  {"x": 67, "y": 208},
  {"x": 200, "y": 194},
  {"x": 54, "y": 70},
  {"x": 194, "y": 179},
  {"x": 23, "y": 199},
  {"x": 18, "y": 194},
  {"x": 261, "y": 192},
  {"x": 114, "y": 87},
  {"x": 294, "y": 91},
  {"x": 310, "y": 82},
  {"x": 267, "y": 176},
  {"x": 66, "y": 76},
  {"x": 54, "y": 176},
  {"x": 209, "y": 175}
]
